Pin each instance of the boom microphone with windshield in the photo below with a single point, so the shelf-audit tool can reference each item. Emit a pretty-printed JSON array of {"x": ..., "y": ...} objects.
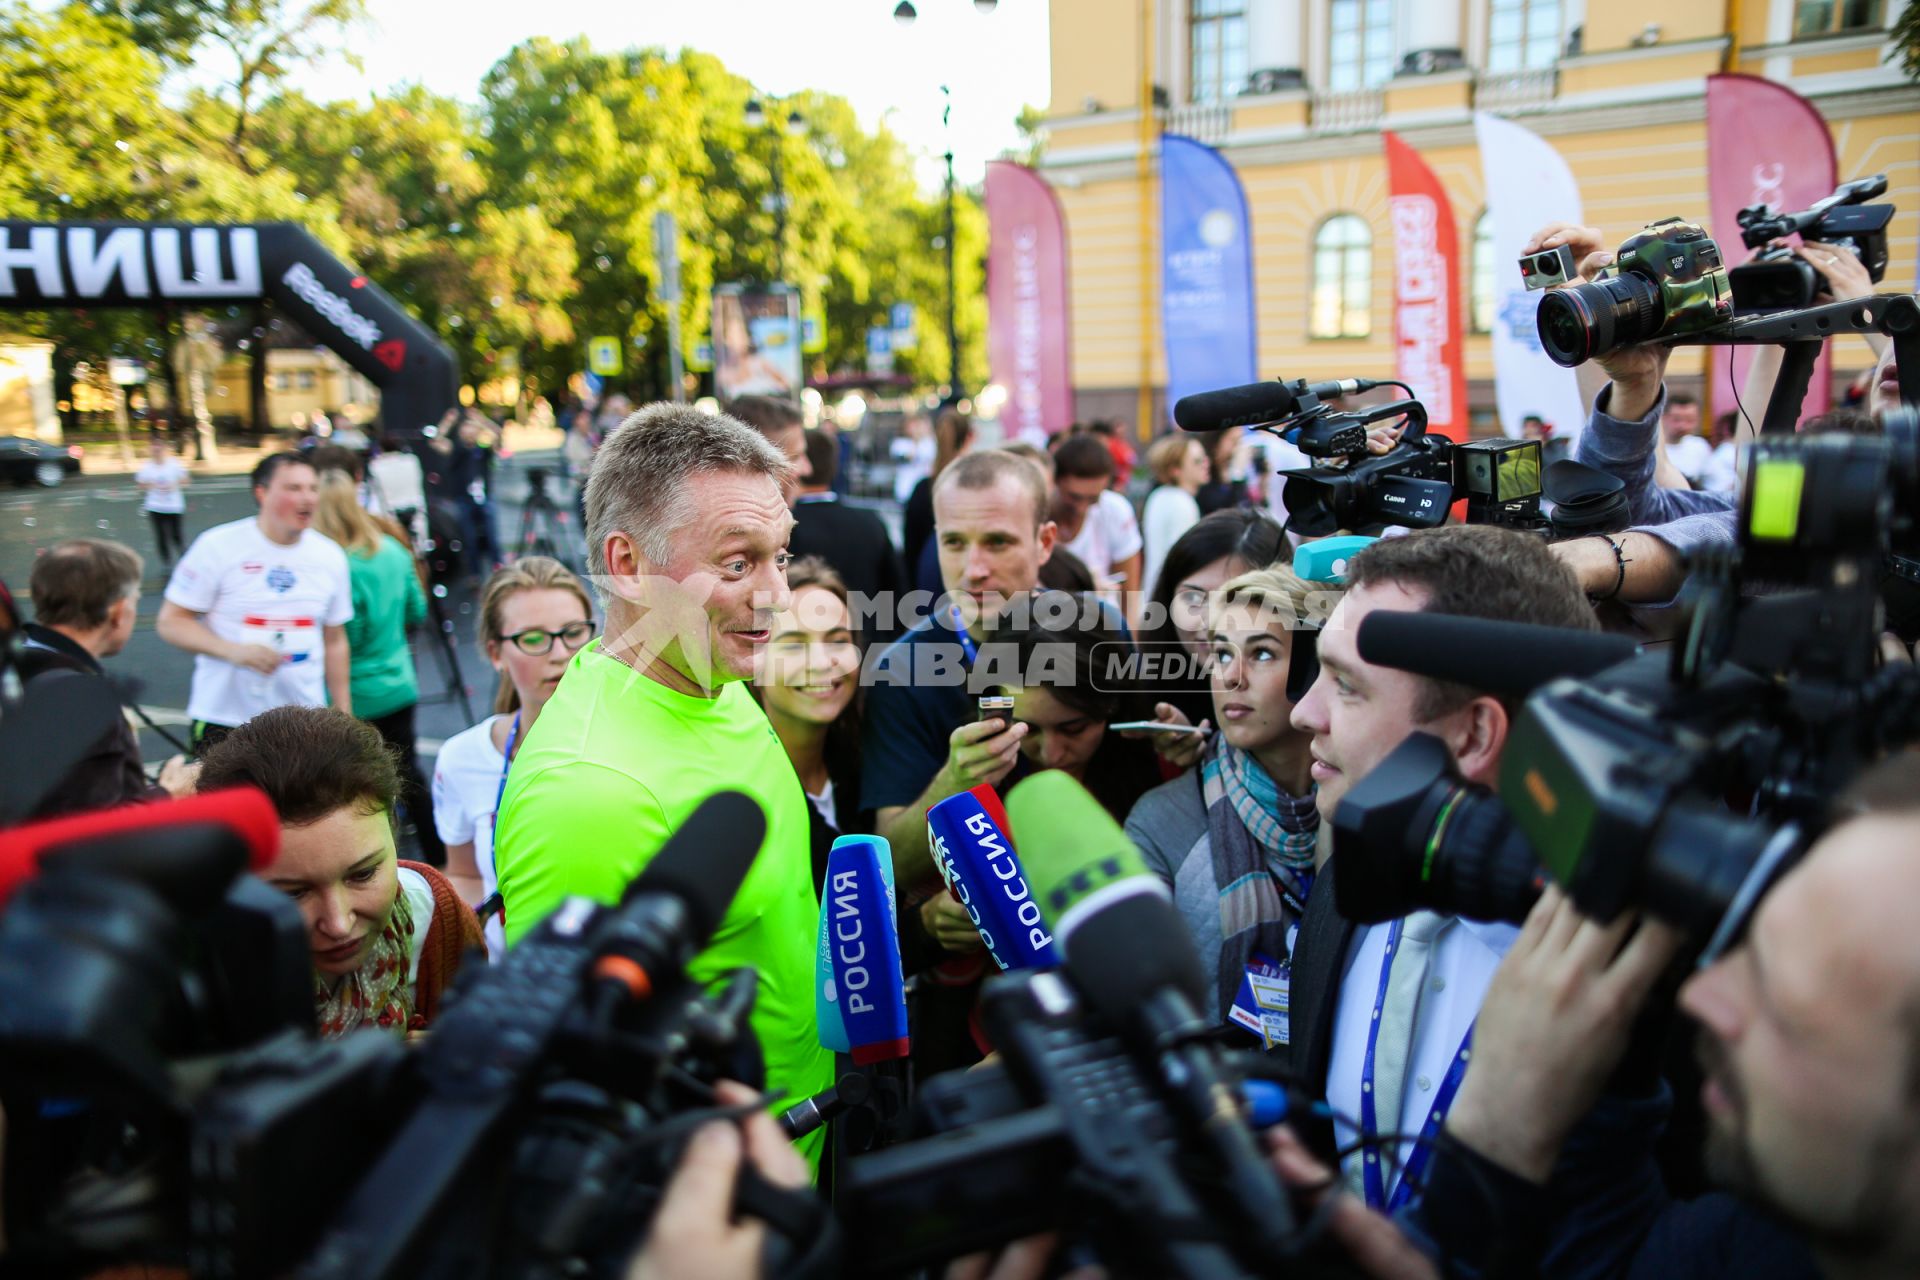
[
  {"x": 1258, "y": 403},
  {"x": 1503, "y": 658}
]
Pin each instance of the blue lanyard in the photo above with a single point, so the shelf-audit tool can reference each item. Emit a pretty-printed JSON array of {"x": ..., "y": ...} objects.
[
  {"x": 966, "y": 641},
  {"x": 1416, "y": 1164},
  {"x": 500, "y": 793}
]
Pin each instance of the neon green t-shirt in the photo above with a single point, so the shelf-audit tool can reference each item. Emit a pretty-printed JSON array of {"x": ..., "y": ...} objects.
[{"x": 616, "y": 763}]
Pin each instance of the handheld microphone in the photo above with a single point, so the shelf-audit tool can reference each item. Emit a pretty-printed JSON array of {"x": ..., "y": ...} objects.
[
  {"x": 1256, "y": 403},
  {"x": 843, "y": 1095},
  {"x": 860, "y": 995},
  {"x": 1130, "y": 954},
  {"x": 968, "y": 836},
  {"x": 192, "y": 847},
  {"x": 1513, "y": 658}
]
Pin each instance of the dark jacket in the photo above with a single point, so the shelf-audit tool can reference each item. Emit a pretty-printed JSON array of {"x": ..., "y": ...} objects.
[
  {"x": 1605, "y": 1215},
  {"x": 110, "y": 773},
  {"x": 854, "y": 541}
]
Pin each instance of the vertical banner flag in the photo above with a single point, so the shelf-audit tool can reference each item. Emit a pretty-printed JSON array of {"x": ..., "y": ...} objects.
[
  {"x": 1528, "y": 185},
  {"x": 1027, "y": 302},
  {"x": 1430, "y": 352},
  {"x": 1765, "y": 145},
  {"x": 1206, "y": 276}
]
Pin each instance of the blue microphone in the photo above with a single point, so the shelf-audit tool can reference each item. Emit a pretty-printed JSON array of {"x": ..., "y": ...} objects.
[
  {"x": 968, "y": 836},
  {"x": 860, "y": 997}
]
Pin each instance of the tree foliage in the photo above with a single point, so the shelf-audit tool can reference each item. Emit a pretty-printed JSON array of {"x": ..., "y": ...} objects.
[{"x": 516, "y": 227}]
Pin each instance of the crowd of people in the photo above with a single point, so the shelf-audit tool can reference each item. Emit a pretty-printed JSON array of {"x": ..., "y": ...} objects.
[{"x": 1494, "y": 1094}]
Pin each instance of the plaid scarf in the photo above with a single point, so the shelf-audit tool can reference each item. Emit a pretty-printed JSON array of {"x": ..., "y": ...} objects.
[
  {"x": 377, "y": 993},
  {"x": 1262, "y": 841}
]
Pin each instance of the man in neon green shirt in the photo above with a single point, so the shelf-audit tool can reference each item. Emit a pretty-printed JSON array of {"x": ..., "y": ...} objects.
[{"x": 687, "y": 532}]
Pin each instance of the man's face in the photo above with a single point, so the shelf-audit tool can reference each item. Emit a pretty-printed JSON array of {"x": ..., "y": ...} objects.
[
  {"x": 990, "y": 549},
  {"x": 1357, "y": 712},
  {"x": 1680, "y": 420},
  {"x": 1074, "y": 496},
  {"x": 342, "y": 874},
  {"x": 1806, "y": 1042},
  {"x": 710, "y": 609},
  {"x": 289, "y": 497}
]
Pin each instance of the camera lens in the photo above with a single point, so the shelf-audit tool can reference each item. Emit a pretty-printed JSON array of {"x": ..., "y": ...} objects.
[
  {"x": 1588, "y": 320},
  {"x": 1412, "y": 836}
]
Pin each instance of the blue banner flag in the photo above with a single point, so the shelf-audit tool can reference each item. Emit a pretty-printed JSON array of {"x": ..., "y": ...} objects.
[{"x": 1206, "y": 278}]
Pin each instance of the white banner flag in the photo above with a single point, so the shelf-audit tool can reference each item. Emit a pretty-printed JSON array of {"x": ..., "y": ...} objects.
[{"x": 1528, "y": 186}]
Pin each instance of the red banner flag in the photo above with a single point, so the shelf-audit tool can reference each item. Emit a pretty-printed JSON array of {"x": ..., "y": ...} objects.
[
  {"x": 1027, "y": 302},
  {"x": 1431, "y": 354},
  {"x": 1765, "y": 145}
]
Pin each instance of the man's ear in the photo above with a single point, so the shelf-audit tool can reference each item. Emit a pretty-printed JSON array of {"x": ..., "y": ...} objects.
[
  {"x": 1049, "y": 535},
  {"x": 1477, "y": 734},
  {"x": 627, "y": 569}
]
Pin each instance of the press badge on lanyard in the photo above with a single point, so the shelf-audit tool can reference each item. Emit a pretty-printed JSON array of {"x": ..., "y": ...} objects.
[
  {"x": 1263, "y": 1005},
  {"x": 296, "y": 639}
]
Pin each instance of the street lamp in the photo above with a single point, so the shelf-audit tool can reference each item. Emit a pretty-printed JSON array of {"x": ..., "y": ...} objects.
[{"x": 954, "y": 391}]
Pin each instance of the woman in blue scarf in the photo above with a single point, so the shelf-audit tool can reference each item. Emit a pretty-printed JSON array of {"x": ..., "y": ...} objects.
[{"x": 1235, "y": 838}]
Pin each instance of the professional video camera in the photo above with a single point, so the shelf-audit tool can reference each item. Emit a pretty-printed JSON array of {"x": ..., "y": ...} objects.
[
  {"x": 1776, "y": 279},
  {"x": 1417, "y": 482},
  {"x": 159, "y": 1113},
  {"x": 1685, "y": 783}
]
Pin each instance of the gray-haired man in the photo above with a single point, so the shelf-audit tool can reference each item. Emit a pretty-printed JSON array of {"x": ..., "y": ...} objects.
[{"x": 687, "y": 531}]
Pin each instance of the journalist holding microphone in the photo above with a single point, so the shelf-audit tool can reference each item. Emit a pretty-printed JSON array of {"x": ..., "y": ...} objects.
[{"x": 688, "y": 530}]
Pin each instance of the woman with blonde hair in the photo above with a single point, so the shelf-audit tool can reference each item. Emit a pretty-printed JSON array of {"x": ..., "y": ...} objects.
[
  {"x": 387, "y": 603},
  {"x": 534, "y": 616}
]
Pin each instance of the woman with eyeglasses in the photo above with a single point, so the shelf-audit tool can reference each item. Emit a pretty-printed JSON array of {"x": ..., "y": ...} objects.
[{"x": 534, "y": 616}]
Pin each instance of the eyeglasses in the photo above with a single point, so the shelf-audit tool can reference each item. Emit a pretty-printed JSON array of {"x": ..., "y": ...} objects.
[{"x": 535, "y": 642}]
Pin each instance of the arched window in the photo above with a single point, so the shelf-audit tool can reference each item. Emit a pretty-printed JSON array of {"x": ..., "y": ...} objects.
[
  {"x": 1485, "y": 274},
  {"x": 1342, "y": 278}
]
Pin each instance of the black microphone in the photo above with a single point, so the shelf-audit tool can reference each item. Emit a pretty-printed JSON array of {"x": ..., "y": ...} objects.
[
  {"x": 1256, "y": 402},
  {"x": 1512, "y": 658},
  {"x": 850, "y": 1091}
]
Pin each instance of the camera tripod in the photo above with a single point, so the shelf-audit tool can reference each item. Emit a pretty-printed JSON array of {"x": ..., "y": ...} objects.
[{"x": 545, "y": 529}]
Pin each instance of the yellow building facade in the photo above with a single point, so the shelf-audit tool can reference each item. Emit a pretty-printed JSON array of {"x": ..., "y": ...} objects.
[{"x": 1295, "y": 94}]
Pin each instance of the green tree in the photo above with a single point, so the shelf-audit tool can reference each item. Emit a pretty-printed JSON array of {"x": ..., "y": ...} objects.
[{"x": 266, "y": 40}]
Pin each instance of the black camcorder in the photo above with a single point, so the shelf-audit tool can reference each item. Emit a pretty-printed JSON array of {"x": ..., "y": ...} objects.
[
  {"x": 1417, "y": 482},
  {"x": 1684, "y": 783},
  {"x": 1777, "y": 279},
  {"x": 529, "y": 1136}
]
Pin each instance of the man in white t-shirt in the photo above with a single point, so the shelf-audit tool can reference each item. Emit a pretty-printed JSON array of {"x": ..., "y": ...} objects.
[
  {"x": 263, "y": 603},
  {"x": 163, "y": 480},
  {"x": 1095, "y": 523},
  {"x": 1687, "y": 449}
]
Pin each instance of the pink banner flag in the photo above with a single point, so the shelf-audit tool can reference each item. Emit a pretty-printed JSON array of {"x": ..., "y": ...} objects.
[
  {"x": 1429, "y": 347},
  {"x": 1027, "y": 302},
  {"x": 1765, "y": 145}
]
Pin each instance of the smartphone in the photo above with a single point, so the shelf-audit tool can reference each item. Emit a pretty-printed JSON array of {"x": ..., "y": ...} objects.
[
  {"x": 996, "y": 706},
  {"x": 1154, "y": 726}
]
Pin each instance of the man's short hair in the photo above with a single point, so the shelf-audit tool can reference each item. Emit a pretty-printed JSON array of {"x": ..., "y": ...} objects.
[
  {"x": 823, "y": 459},
  {"x": 984, "y": 470},
  {"x": 76, "y": 582},
  {"x": 765, "y": 414},
  {"x": 1084, "y": 457},
  {"x": 1475, "y": 571},
  {"x": 268, "y": 467},
  {"x": 639, "y": 482},
  {"x": 311, "y": 761},
  {"x": 1032, "y": 453},
  {"x": 1680, "y": 399}
]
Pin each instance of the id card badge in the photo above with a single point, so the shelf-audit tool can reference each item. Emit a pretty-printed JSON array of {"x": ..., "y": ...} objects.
[{"x": 1262, "y": 1005}]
